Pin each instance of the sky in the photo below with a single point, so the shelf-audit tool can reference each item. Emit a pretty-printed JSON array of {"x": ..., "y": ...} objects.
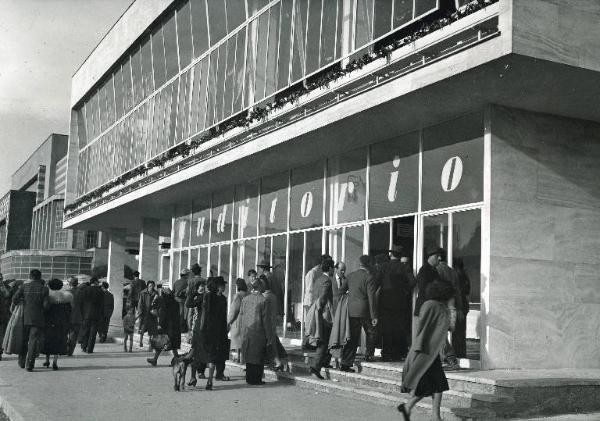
[{"x": 42, "y": 43}]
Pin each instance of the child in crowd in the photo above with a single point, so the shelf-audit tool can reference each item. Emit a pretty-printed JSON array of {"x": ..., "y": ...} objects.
[{"x": 129, "y": 327}]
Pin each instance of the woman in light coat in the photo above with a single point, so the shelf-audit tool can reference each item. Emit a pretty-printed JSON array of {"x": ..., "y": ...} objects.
[{"x": 233, "y": 321}]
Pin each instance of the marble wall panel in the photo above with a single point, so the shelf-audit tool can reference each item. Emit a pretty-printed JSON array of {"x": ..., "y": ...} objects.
[
  {"x": 586, "y": 284},
  {"x": 577, "y": 235}
]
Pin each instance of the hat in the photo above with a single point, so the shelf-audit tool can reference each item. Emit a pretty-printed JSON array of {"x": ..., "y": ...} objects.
[
  {"x": 431, "y": 250},
  {"x": 185, "y": 272},
  {"x": 263, "y": 264},
  {"x": 396, "y": 248}
]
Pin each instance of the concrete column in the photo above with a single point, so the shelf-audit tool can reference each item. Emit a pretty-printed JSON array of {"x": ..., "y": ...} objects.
[
  {"x": 148, "y": 257},
  {"x": 116, "y": 278}
]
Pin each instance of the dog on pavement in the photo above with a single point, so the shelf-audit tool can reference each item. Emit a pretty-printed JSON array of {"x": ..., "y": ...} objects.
[{"x": 179, "y": 365}]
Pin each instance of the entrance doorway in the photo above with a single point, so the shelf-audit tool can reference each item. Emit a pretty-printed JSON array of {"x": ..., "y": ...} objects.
[{"x": 397, "y": 231}]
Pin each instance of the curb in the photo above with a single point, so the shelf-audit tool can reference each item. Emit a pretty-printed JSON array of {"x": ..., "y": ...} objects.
[{"x": 9, "y": 410}]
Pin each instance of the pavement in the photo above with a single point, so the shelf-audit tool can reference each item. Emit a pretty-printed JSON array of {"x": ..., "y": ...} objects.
[{"x": 112, "y": 385}]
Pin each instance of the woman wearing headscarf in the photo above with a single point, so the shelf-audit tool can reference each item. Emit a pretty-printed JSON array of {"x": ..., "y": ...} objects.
[
  {"x": 423, "y": 374},
  {"x": 256, "y": 332},
  {"x": 169, "y": 325},
  {"x": 58, "y": 318},
  {"x": 233, "y": 322}
]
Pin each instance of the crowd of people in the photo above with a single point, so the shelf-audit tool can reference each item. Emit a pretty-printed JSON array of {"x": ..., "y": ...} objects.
[
  {"x": 38, "y": 317},
  {"x": 49, "y": 318}
]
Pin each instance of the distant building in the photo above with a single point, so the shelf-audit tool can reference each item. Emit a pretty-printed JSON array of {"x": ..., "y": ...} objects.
[{"x": 31, "y": 218}]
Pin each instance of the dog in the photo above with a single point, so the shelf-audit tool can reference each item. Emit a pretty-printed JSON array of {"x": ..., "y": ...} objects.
[{"x": 179, "y": 366}]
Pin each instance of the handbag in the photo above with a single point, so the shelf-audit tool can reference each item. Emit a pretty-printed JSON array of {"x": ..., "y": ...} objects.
[{"x": 160, "y": 342}]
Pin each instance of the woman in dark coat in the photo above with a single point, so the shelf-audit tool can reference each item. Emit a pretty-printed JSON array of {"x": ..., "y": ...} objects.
[
  {"x": 210, "y": 345},
  {"x": 423, "y": 374},
  {"x": 58, "y": 319},
  {"x": 193, "y": 301},
  {"x": 13, "y": 336},
  {"x": 168, "y": 323},
  {"x": 148, "y": 321}
]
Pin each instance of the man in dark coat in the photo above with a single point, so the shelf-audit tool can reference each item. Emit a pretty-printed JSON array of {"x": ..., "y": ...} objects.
[
  {"x": 92, "y": 303},
  {"x": 397, "y": 284},
  {"x": 336, "y": 283},
  {"x": 76, "y": 319},
  {"x": 180, "y": 292},
  {"x": 362, "y": 311},
  {"x": 148, "y": 321},
  {"x": 275, "y": 286},
  {"x": 192, "y": 288},
  {"x": 427, "y": 275},
  {"x": 107, "y": 311},
  {"x": 325, "y": 304},
  {"x": 136, "y": 287},
  {"x": 34, "y": 295}
]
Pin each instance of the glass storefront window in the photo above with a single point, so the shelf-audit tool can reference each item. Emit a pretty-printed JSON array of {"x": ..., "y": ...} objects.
[
  {"x": 394, "y": 177},
  {"x": 229, "y": 77},
  {"x": 224, "y": 262},
  {"x": 193, "y": 257},
  {"x": 181, "y": 230},
  {"x": 199, "y": 27},
  {"x": 353, "y": 247},
  {"x": 453, "y": 163},
  {"x": 203, "y": 260},
  {"x": 200, "y": 221},
  {"x": 307, "y": 196},
  {"x": 334, "y": 243},
  {"x": 248, "y": 255},
  {"x": 346, "y": 181},
  {"x": 466, "y": 248},
  {"x": 175, "y": 264},
  {"x": 221, "y": 218},
  {"x": 273, "y": 204},
  {"x": 183, "y": 263},
  {"x": 246, "y": 209},
  {"x": 435, "y": 232},
  {"x": 264, "y": 250},
  {"x": 379, "y": 238},
  {"x": 213, "y": 268}
]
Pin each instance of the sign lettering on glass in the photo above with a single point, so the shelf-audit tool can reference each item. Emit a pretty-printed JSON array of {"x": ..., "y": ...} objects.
[
  {"x": 452, "y": 173},
  {"x": 306, "y": 209},
  {"x": 200, "y": 226},
  {"x": 306, "y": 204},
  {"x": 273, "y": 203},
  {"x": 347, "y": 173},
  {"x": 221, "y": 220}
]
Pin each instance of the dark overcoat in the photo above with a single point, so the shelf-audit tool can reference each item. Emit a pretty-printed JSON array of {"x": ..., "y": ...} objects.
[
  {"x": 256, "y": 328},
  {"x": 427, "y": 275},
  {"x": 168, "y": 318},
  {"x": 361, "y": 287},
  {"x": 148, "y": 321},
  {"x": 34, "y": 296}
]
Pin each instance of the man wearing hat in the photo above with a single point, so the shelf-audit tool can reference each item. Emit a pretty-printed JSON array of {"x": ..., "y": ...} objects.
[
  {"x": 397, "y": 284},
  {"x": 137, "y": 285},
  {"x": 264, "y": 268},
  {"x": 427, "y": 274},
  {"x": 180, "y": 293}
]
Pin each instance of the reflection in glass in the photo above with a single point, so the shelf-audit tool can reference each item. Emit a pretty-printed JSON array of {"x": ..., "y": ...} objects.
[
  {"x": 328, "y": 32},
  {"x": 202, "y": 101},
  {"x": 307, "y": 196},
  {"x": 173, "y": 111},
  {"x": 194, "y": 107},
  {"x": 217, "y": 20},
  {"x": 240, "y": 59},
  {"x": 364, "y": 23},
  {"x": 346, "y": 182},
  {"x": 246, "y": 209},
  {"x": 383, "y": 18},
  {"x": 334, "y": 244},
  {"x": 379, "y": 238},
  {"x": 249, "y": 255},
  {"x": 213, "y": 267},
  {"x": 425, "y": 6},
  {"x": 294, "y": 311},
  {"x": 224, "y": 263},
  {"x": 264, "y": 250},
  {"x": 261, "y": 56},
  {"x": 453, "y": 163},
  {"x": 278, "y": 269},
  {"x": 313, "y": 36},
  {"x": 136, "y": 75},
  {"x": 299, "y": 47},
  {"x": 193, "y": 257},
  {"x": 175, "y": 263},
  {"x": 403, "y": 12},
  {"x": 221, "y": 216},
  {"x": 182, "y": 113},
  {"x": 171, "y": 57},
  {"x": 273, "y": 204},
  {"x": 147, "y": 77},
  {"x": 200, "y": 221},
  {"x": 435, "y": 232},
  {"x": 184, "y": 34},
  {"x": 229, "y": 77},
  {"x": 203, "y": 260},
  {"x": 220, "y": 82},
  {"x": 236, "y": 13},
  {"x": 394, "y": 176},
  {"x": 181, "y": 231},
  {"x": 284, "y": 43},
  {"x": 212, "y": 87},
  {"x": 183, "y": 262},
  {"x": 158, "y": 57},
  {"x": 466, "y": 243},
  {"x": 199, "y": 27},
  {"x": 353, "y": 247},
  {"x": 271, "y": 79}
]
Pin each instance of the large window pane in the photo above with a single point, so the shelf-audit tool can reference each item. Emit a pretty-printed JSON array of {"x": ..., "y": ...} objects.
[
  {"x": 110, "y": 101},
  {"x": 255, "y": 5},
  {"x": 284, "y": 43},
  {"x": 202, "y": 101},
  {"x": 171, "y": 55},
  {"x": 203, "y": 259},
  {"x": 181, "y": 230},
  {"x": 403, "y": 12},
  {"x": 136, "y": 73},
  {"x": 221, "y": 68},
  {"x": 307, "y": 196},
  {"x": 184, "y": 34},
  {"x": 453, "y": 163},
  {"x": 102, "y": 102},
  {"x": 212, "y": 88},
  {"x": 346, "y": 183},
  {"x": 344, "y": 18},
  {"x": 353, "y": 247},
  {"x": 313, "y": 36},
  {"x": 200, "y": 221},
  {"x": 229, "y": 77},
  {"x": 273, "y": 204},
  {"x": 213, "y": 267},
  {"x": 299, "y": 48},
  {"x": 394, "y": 176},
  {"x": 379, "y": 238},
  {"x": 172, "y": 113},
  {"x": 158, "y": 57},
  {"x": 224, "y": 262},
  {"x": 221, "y": 216},
  {"x": 423, "y": 7},
  {"x": 238, "y": 90},
  {"x": 383, "y": 17},
  {"x": 147, "y": 76},
  {"x": 199, "y": 26},
  {"x": 249, "y": 253},
  {"x": 466, "y": 243},
  {"x": 271, "y": 80},
  {"x": 81, "y": 131},
  {"x": 217, "y": 18},
  {"x": 194, "y": 107},
  {"x": 278, "y": 271},
  {"x": 236, "y": 13},
  {"x": 295, "y": 310},
  {"x": 364, "y": 23},
  {"x": 261, "y": 56},
  {"x": 435, "y": 232},
  {"x": 246, "y": 209},
  {"x": 251, "y": 62},
  {"x": 127, "y": 88},
  {"x": 181, "y": 111},
  {"x": 328, "y": 32}
]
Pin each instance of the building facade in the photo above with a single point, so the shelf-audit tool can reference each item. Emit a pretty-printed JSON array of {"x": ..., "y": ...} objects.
[{"x": 281, "y": 130}]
